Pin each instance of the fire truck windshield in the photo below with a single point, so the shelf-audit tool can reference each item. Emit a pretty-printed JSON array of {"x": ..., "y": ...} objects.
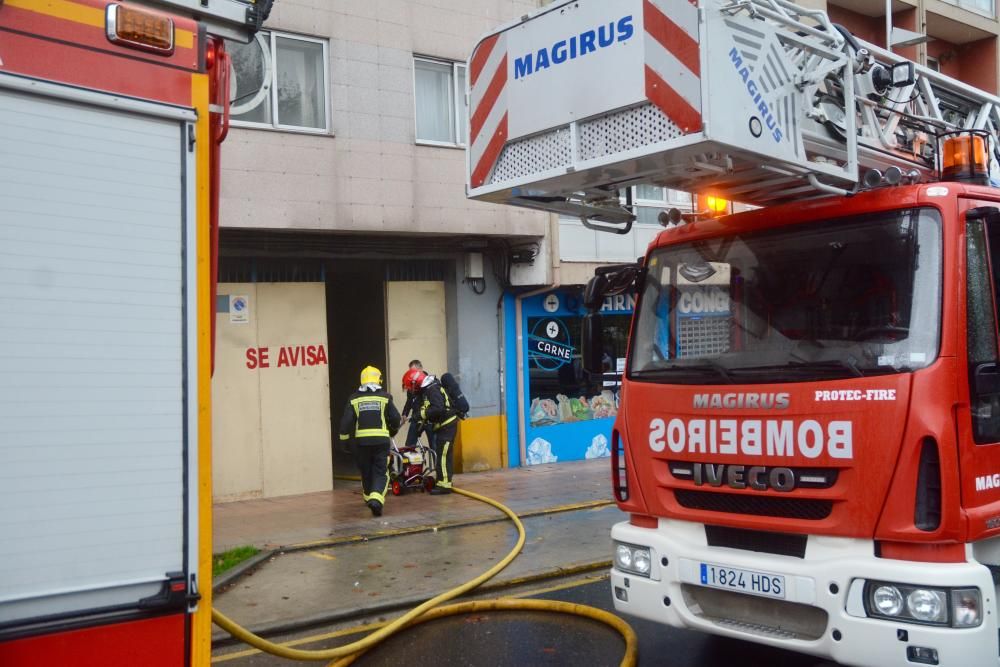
[{"x": 841, "y": 298}]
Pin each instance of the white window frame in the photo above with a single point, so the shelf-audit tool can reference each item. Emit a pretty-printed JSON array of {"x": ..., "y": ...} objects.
[
  {"x": 458, "y": 98},
  {"x": 967, "y": 6},
  {"x": 272, "y": 98}
]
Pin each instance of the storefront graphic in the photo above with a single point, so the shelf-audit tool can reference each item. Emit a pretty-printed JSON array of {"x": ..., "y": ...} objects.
[
  {"x": 568, "y": 415},
  {"x": 549, "y": 345}
]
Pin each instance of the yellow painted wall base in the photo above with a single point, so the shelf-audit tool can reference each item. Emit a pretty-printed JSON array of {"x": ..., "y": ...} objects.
[{"x": 480, "y": 443}]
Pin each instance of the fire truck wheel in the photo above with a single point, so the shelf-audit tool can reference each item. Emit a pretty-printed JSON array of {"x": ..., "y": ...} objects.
[{"x": 397, "y": 488}]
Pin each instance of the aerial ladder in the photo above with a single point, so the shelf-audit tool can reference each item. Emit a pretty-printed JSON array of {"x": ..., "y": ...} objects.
[{"x": 755, "y": 101}]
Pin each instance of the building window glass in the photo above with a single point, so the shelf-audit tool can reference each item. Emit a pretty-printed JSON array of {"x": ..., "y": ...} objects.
[
  {"x": 280, "y": 81},
  {"x": 987, "y": 7},
  {"x": 650, "y": 200},
  {"x": 439, "y": 92}
]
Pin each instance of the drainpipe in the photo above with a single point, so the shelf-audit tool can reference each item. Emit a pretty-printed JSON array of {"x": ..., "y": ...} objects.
[{"x": 519, "y": 325}]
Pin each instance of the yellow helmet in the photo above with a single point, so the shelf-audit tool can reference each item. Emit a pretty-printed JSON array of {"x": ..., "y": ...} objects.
[{"x": 371, "y": 375}]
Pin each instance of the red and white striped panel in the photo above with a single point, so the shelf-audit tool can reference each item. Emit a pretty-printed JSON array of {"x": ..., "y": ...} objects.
[
  {"x": 673, "y": 60},
  {"x": 487, "y": 106}
]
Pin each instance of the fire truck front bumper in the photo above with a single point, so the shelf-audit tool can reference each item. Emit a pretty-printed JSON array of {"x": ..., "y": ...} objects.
[{"x": 837, "y": 600}]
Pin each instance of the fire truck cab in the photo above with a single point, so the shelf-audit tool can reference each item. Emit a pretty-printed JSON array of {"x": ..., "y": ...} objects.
[{"x": 809, "y": 420}]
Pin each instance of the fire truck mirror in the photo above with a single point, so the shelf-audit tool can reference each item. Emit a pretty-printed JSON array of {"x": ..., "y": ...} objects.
[
  {"x": 991, "y": 214},
  {"x": 592, "y": 344},
  {"x": 593, "y": 295}
]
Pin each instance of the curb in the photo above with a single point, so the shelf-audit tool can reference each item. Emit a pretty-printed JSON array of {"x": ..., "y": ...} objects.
[
  {"x": 237, "y": 571},
  {"x": 232, "y": 576},
  {"x": 221, "y": 639}
]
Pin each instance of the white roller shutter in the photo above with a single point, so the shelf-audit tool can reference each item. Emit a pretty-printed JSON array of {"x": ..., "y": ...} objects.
[{"x": 93, "y": 424}]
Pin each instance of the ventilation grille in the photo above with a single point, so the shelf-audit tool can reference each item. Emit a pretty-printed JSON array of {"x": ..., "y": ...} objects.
[
  {"x": 779, "y": 544},
  {"x": 927, "y": 509},
  {"x": 610, "y": 134},
  {"x": 624, "y": 131},
  {"x": 731, "y": 503},
  {"x": 534, "y": 155}
]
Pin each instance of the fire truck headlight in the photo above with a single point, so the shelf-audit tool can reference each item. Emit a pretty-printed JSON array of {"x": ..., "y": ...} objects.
[
  {"x": 887, "y": 600},
  {"x": 928, "y": 605},
  {"x": 957, "y": 607},
  {"x": 966, "y": 608},
  {"x": 641, "y": 561},
  {"x": 623, "y": 557},
  {"x": 632, "y": 559}
]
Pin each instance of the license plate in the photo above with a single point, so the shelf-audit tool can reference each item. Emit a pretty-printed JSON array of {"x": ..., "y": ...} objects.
[{"x": 745, "y": 581}]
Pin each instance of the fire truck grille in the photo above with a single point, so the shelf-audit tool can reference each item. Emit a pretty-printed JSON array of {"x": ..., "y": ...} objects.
[{"x": 731, "y": 503}]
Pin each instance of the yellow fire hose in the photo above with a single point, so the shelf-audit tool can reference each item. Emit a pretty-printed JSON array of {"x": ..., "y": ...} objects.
[{"x": 345, "y": 655}]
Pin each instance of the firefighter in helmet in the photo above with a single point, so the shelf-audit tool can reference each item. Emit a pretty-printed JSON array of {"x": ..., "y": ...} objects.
[
  {"x": 371, "y": 419},
  {"x": 436, "y": 410}
]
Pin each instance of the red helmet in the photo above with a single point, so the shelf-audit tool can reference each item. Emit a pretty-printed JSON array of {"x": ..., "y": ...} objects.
[{"x": 412, "y": 379}]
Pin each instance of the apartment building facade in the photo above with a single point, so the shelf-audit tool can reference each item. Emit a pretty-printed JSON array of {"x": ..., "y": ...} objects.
[{"x": 347, "y": 239}]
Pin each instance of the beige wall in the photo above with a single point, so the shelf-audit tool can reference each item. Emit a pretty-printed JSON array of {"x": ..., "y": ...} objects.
[
  {"x": 415, "y": 319},
  {"x": 271, "y": 419},
  {"x": 368, "y": 174}
]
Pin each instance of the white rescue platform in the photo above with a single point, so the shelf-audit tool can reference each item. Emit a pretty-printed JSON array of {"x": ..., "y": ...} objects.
[{"x": 757, "y": 101}]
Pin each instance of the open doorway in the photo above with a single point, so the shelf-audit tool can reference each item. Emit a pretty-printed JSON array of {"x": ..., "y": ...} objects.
[{"x": 355, "y": 297}]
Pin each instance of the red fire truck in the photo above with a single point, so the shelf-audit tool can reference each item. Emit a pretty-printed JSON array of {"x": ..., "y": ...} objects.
[
  {"x": 808, "y": 437},
  {"x": 111, "y": 115}
]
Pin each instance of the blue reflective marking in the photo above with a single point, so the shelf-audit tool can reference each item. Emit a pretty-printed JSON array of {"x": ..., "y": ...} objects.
[{"x": 704, "y": 573}]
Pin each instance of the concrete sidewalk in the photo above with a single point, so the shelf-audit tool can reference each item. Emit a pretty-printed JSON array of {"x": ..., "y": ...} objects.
[
  {"x": 327, "y": 558},
  {"x": 340, "y": 514}
]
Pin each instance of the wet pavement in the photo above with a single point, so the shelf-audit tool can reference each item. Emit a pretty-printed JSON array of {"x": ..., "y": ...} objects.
[
  {"x": 305, "y": 587},
  {"x": 341, "y": 514},
  {"x": 341, "y": 569}
]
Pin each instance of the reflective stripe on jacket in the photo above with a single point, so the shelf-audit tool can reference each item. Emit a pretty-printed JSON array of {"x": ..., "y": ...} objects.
[
  {"x": 436, "y": 407},
  {"x": 370, "y": 418}
]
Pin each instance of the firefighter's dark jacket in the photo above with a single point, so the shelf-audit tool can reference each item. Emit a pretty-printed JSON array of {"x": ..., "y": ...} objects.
[
  {"x": 436, "y": 407},
  {"x": 370, "y": 418}
]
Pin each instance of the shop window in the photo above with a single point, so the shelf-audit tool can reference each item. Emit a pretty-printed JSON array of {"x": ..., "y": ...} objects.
[
  {"x": 439, "y": 92},
  {"x": 559, "y": 391},
  {"x": 280, "y": 81}
]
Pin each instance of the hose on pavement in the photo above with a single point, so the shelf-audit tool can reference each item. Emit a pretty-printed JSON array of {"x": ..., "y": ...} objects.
[{"x": 345, "y": 655}]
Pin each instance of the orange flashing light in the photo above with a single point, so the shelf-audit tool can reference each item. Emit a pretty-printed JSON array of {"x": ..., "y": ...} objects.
[
  {"x": 710, "y": 206},
  {"x": 964, "y": 158},
  {"x": 140, "y": 29},
  {"x": 717, "y": 205}
]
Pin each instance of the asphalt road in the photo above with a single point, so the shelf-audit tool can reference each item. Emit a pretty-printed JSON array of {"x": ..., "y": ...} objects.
[{"x": 504, "y": 639}]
